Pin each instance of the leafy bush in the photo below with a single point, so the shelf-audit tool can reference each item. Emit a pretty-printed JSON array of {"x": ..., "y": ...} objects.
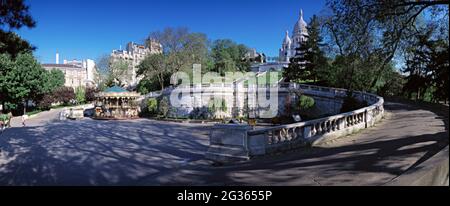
[
  {"x": 64, "y": 95},
  {"x": 305, "y": 103},
  {"x": 200, "y": 113},
  {"x": 351, "y": 103},
  {"x": 80, "y": 95},
  {"x": 46, "y": 101},
  {"x": 4, "y": 117},
  {"x": 90, "y": 94},
  {"x": 164, "y": 106},
  {"x": 152, "y": 106}
]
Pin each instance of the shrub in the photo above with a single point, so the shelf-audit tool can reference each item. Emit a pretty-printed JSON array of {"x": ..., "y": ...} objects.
[
  {"x": 152, "y": 106},
  {"x": 90, "y": 94},
  {"x": 305, "y": 103},
  {"x": 46, "y": 101},
  {"x": 164, "y": 106},
  {"x": 200, "y": 113},
  {"x": 4, "y": 117},
  {"x": 80, "y": 95},
  {"x": 64, "y": 95}
]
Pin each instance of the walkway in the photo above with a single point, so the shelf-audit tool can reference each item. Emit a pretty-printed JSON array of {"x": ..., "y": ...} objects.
[
  {"x": 90, "y": 152},
  {"x": 147, "y": 152},
  {"x": 406, "y": 137}
]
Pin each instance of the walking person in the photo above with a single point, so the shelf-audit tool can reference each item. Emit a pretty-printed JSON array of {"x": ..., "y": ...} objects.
[
  {"x": 24, "y": 118},
  {"x": 10, "y": 116}
]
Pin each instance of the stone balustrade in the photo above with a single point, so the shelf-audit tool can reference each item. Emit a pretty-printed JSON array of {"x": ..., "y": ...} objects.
[{"x": 248, "y": 143}]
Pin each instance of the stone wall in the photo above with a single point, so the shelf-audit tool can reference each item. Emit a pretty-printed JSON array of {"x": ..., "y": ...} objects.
[
  {"x": 237, "y": 97},
  {"x": 287, "y": 137}
]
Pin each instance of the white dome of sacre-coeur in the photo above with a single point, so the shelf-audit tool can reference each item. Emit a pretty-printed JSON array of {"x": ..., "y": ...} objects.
[
  {"x": 300, "y": 26},
  {"x": 287, "y": 40}
]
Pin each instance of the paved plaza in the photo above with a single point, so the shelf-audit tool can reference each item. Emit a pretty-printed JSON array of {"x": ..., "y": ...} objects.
[
  {"x": 148, "y": 152},
  {"x": 408, "y": 136},
  {"x": 95, "y": 152}
]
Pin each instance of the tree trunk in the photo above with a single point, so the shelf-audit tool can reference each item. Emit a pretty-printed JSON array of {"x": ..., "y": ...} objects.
[
  {"x": 418, "y": 95},
  {"x": 25, "y": 107},
  {"x": 161, "y": 82}
]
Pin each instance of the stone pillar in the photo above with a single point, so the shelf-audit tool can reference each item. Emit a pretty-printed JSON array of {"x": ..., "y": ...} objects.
[
  {"x": 342, "y": 124},
  {"x": 307, "y": 132},
  {"x": 369, "y": 118}
]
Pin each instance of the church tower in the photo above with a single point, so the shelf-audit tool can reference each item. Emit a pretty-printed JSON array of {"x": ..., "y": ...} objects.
[
  {"x": 285, "y": 50},
  {"x": 299, "y": 35}
]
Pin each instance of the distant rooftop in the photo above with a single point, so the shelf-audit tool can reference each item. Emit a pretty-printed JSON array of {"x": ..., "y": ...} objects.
[{"x": 61, "y": 66}]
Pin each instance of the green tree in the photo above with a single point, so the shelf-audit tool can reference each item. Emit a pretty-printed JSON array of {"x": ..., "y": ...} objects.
[
  {"x": 295, "y": 72},
  {"x": 440, "y": 71},
  {"x": 157, "y": 68},
  {"x": 316, "y": 62},
  {"x": 228, "y": 56},
  {"x": 53, "y": 79},
  {"x": 374, "y": 32},
  {"x": 22, "y": 80},
  {"x": 182, "y": 49},
  {"x": 427, "y": 66},
  {"x": 14, "y": 14},
  {"x": 6, "y": 64}
]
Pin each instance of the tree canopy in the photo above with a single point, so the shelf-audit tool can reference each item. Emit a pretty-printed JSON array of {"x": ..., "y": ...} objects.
[
  {"x": 14, "y": 14},
  {"x": 182, "y": 49}
]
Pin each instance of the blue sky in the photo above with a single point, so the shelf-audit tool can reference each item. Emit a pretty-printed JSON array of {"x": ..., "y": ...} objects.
[{"x": 80, "y": 29}]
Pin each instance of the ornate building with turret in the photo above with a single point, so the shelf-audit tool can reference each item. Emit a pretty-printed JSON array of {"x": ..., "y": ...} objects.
[
  {"x": 133, "y": 56},
  {"x": 290, "y": 44}
]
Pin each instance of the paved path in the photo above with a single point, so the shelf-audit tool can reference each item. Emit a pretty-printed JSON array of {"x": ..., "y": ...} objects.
[
  {"x": 91, "y": 152},
  {"x": 406, "y": 137},
  {"x": 146, "y": 152}
]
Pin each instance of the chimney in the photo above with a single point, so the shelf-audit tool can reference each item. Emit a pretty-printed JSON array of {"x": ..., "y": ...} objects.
[{"x": 57, "y": 58}]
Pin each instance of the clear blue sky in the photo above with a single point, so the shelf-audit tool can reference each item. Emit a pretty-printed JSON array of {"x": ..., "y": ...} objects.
[{"x": 80, "y": 29}]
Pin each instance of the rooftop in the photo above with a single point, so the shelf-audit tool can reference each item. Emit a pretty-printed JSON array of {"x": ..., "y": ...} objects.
[
  {"x": 61, "y": 66},
  {"x": 115, "y": 89}
]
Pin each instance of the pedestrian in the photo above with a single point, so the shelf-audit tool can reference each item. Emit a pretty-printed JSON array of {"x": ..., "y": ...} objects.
[
  {"x": 10, "y": 116},
  {"x": 24, "y": 118}
]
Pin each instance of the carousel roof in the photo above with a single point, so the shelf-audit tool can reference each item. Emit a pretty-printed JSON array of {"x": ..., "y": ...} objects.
[{"x": 117, "y": 91}]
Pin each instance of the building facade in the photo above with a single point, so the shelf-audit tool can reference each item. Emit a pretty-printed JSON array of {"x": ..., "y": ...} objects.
[
  {"x": 290, "y": 44},
  {"x": 132, "y": 56},
  {"x": 76, "y": 73}
]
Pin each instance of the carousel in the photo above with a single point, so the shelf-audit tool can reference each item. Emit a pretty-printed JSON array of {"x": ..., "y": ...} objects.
[{"x": 116, "y": 103}]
